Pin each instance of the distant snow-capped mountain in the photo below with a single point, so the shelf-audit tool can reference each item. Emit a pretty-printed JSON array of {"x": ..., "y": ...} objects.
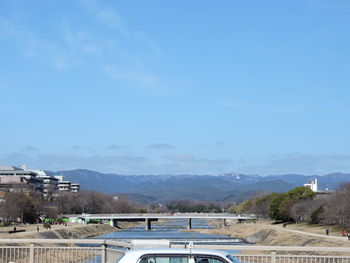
[{"x": 229, "y": 186}]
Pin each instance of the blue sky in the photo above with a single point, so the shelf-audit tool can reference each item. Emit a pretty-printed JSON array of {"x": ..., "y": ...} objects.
[{"x": 159, "y": 87}]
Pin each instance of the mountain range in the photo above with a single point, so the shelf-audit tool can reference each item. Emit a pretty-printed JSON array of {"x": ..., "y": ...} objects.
[{"x": 226, "y": 187}]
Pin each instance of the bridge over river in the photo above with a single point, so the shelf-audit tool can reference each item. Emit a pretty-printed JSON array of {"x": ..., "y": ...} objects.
[{"x": 113, "y": 219}]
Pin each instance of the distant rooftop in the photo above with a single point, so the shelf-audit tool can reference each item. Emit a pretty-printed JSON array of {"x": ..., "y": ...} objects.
[
  {"x": 10, "y": 168},
  {"x": 40, "y": 172}
]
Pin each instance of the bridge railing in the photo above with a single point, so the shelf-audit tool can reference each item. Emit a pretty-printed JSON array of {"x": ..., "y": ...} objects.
[
  {"x": 280, "y": 254},
  {"x": 61, "y": 250},
  {"x": 105, "y": 251},
  {"x": 162, "y": 215},
  {"x": 291, "y": 259}
]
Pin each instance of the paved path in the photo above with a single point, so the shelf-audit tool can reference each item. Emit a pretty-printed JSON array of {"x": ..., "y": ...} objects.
[
  {"x": 32, "y": 229},
  {"x": 286, "y": 229}
]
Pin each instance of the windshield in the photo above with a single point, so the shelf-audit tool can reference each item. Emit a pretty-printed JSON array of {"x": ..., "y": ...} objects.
[
  {"x": 120, "y": 258},
  {"x": 234, "y": 260}
]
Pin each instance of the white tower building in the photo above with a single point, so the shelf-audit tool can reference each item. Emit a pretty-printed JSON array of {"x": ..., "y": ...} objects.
[{"x": 312, "y": 185}]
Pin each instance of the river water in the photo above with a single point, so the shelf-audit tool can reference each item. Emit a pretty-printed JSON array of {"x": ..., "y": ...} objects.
[{"x": 171, "y": 229}]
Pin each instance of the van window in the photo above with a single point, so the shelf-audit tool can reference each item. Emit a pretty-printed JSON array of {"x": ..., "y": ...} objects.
[
  {"x": 207, "y": 260},
  {"x": 164, "y": 259}
]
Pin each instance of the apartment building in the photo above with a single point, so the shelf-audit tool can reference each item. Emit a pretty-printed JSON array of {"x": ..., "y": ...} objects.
[
  {"x": 75, "y": 187},
  {"x": 14, "y": 178},
  {"x": 63, "y": 186},
  {"x": 50, "y": 183},
  {"x": 67, "y": 186},
  {"x": 22, "y": 179}
]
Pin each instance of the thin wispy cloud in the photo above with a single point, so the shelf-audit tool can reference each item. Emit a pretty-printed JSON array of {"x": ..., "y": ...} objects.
[
  {"x": 113, "y": 20},
  {"x": 116, "y": 147},
  {"x": 191, "y": 164},
  {"x": 276, "y": 108},
  {"x": 297, "y": 163},
  {"x": 135, "y": 76},
  {"x": 55, "y": 161},
  {"x": 132, "y": 69},
  {"x": 329, "y": 6},
  {"x": 34, "y": 46},
  {"x": 118, "y": 163},
  {"x": 180, "y": 157},
  {"x": 181, "y": 163},
  {"x": 70, "y": 51},
  {"x": 103, "y": 70},
  {"x": 27, "y": 42},
  {"x": 30, "y": 148},
  {"x": 105, "y": 16},
  {"x": 82, "y": 148},
  {"x": 110, "y": 19},
  {"x": 287, "y": 108},
  {"x": 160, "y": 146},
  {"x": 83, "y": 41},
  {"x": 79, "y": 46},
  {"x": 216, "y": 145}
]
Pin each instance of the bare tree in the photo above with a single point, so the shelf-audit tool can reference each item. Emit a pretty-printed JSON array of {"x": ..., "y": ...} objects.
[
  {"x": 337, "y": 209},
  {"x": 21, "y": 207},
  {"x": 308, "y": 210},
  {"x": 93, "y": 202}
]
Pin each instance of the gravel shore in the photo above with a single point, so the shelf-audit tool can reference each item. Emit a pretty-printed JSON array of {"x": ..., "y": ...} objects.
[{"x": 267, "y": 234}]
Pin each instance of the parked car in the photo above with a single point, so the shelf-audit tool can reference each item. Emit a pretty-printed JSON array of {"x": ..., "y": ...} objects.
[{"x": 170, "y": 255}]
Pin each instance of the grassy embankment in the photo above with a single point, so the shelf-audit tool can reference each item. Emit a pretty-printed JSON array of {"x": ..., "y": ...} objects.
[
  {"x": 268, "y": 234},
  {"x": 57, "y": 231},
  {"x": 62, "y": 232},
  {"x": 72, "y": 231}
]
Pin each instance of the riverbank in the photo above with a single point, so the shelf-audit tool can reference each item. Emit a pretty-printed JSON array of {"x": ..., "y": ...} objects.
[
  {"x": 266, "y": 234},
  {"x": 57, "y": 231}
]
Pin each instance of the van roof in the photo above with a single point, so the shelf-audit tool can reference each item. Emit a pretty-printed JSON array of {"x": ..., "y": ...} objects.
[{"x": 176, "y": 251}]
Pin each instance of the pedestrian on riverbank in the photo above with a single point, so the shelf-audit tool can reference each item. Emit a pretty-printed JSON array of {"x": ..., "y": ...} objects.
[
  {"x": 37, "y": 229},
  {"x": 327, "y": 231}
]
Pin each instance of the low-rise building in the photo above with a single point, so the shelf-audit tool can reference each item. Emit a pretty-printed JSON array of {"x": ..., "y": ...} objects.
[
  {"x": 14, "y": 178},
  {"x": 50, "y": 183},
  {"x": 75, "y": 187},
  {"x": 22, "y": 179},
  {"x": 64, "y": 186},
  {"x": 67, "y": 186}
]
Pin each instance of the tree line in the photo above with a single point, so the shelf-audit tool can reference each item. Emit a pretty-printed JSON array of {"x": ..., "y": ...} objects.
[
  {"x": 32, "y": 208},
  {"x": 298, "y": 205},
  {"x": 301, "y": 205}
]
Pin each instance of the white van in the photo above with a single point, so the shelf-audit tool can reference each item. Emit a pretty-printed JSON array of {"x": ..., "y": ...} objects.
[{"x": 171, "y": 255}]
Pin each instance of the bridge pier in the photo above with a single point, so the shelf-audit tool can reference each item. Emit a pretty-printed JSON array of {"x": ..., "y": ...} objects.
[
  {"x": 113, "y": 222},
  {"x": 189, "y": 226},
  {"x": 148, "y": 224},
  {"x": 224, "y": 224}
]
